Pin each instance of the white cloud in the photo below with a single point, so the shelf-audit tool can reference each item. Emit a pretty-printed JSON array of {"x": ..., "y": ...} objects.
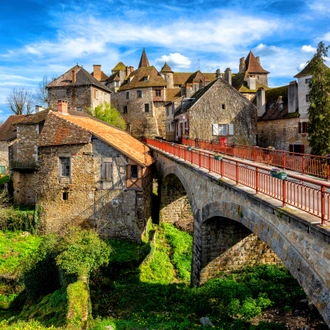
[
  {"x": 175, "y": 59},
  {"x": 308, "y": 49}
]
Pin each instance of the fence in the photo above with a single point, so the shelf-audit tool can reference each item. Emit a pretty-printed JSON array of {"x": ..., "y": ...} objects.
[
  {"x": 318, "y": 166},
  {"x": 309, "y": 195}
]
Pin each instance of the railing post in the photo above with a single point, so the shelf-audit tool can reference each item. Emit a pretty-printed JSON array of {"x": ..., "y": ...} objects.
[
  {"x": 237, "y": 171},
  {"x": 284, "y": 161},
  {"x": 284, "y": 192},
  {"x": 199, "y": 158},
  {"x": 303, "y": 165},
  {"x": 209, "y": 162},
  {"x": 257, "y": 180},
  {"x": 323, "y": 205},
  {"x": 222, "y": 167}
]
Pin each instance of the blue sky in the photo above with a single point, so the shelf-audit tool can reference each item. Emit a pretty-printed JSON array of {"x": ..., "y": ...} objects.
[{"x": 46, "y": 38}]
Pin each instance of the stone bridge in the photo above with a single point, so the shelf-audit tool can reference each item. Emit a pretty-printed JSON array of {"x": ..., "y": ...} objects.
[{"x": 233, "y": 227}]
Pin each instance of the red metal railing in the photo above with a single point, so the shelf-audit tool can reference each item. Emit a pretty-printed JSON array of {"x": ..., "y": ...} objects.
[
  {"x": 309, "y": 195},
  {"x": 318, "y": 166}
]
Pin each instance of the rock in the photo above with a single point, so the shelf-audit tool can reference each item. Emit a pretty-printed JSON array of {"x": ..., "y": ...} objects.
[{"x": 206, "y": 321}]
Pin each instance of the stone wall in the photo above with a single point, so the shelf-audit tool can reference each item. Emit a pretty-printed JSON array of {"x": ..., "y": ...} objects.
[
  {"x": 86, "y": 198},
  {"x": 25, "y": 186},
  {"x": 4, "y": 154},
  {"x": 295, "y": 237},
  {"x": 150, "y": 123},
  {"x": 79, "y": 98},
  {"x": 27, "y": 150},
  {"x": 222, "y": 104},
  {"x": 281, "y": 133}
]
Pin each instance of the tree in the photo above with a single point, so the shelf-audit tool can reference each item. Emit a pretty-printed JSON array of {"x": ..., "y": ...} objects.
[
  {"x": 319, "y": 109},
  {"x": 109, "y": 114},
  {"x": 42, "y": 91},
  {"x": 20, "y": 101}
]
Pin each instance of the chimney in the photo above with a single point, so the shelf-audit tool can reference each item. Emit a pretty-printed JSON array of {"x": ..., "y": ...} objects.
[
  {"x": 74, "y": 75},
  {"x": 261, "y": 101},
  {"x": 62, "y": 107},
  {"x": 241, "y": 65},
  {"x": 97, "y": 72},
  {"x": 258, "y": 59},
  {"x": 218, "y": 73},
  {"x": 129, "y": 70},
  {"x": 292, "y": 97},
  {"x": 228, "y": 76},
  {"x": 39, "y": 108}
]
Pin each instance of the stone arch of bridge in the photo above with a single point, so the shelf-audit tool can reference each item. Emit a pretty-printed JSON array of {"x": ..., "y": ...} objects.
[{"x": 271, "y": 236}]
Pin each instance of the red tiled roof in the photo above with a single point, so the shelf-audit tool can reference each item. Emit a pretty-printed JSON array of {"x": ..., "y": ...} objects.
[
  {"x": 252, "y": 65},
  {"x": 144, "y": 62},
  {"x": 69, "y": 129},
  {"x": 8, "y": 129}
]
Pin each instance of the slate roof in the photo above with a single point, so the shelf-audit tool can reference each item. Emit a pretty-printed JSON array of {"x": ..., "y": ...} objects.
[
  {"x": 252, "y": 65},
  {"x": 173, "y": 94},
  {"x": 136, "y": 79},
  {"x": 60, "y": 129},
  {"x": 181, "y": 78},
  {"x": 144, "y": 62},
  {"x": 83, "y": 78},
  {"x": 8, "y": 128},
  {"x": 104, "y": 77},
  {"x": 120, "y": 66},
  {"x": 274, "y": 111}
]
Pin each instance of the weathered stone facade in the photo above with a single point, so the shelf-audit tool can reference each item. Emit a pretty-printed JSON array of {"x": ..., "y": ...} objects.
[
  {"x": 299, "y": 243},
  {"x": 222, "y": 105}
]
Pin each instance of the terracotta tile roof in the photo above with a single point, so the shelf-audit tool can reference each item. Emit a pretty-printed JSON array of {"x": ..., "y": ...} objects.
[
  {"x": 35, "y": 118},
  {"x": 166, "y": 68},
  {"x": 144, "y": 62},
  {"x": 239, "y": 84},
  {"x": 8, "y": 129},
  {"x": 252, "y": 65},
  {"x": 69, "y": 129},
  {"x": 181, "y": 78},
  {"x": 137, "y": 79},
  {"x": 83, "y": 78}
]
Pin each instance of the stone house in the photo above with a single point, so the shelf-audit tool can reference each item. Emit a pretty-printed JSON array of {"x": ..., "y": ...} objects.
[
  {"x": 144, "y": 96},
  {"x": 80, "y": 89},
  {"x": 217, "y": 112},
  {"x": 283, "y": 115},
  {"x": 86, "y": 173},
  {"x": 7, "y": 141}
]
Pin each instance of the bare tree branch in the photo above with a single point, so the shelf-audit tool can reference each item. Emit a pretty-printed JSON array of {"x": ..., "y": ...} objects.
[{"x": 20, "y": 101}]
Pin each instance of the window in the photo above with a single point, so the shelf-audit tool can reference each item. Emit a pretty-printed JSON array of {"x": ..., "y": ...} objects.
[
  {"x": 2, "y": 169},
  {"x": 307, "y": 98},
  {"x": 139, "y": 94},
  {"x": 302, "y": 127},
  {"x": 158, "y": 92},
  {"x": 134, "y": 171},
  {"x": 106, "y": 170},
  {"x": 127, "y": 95},
  {"x": 125, "y": 109},
  {"x": 223, "y": 106},
  {"x": 146, "y": 107},
  {"x": 307, "y": 80},
  {"x": 65, "y": 196},
  {"x": 222, "y": 129},
  {"x": 68, "y": 91},
  {"x": 65, "y": 166},
  {"x": 145, "y": 78},
  {"x": 41, "y": 126},
  {"x": 79, "y": 108}
]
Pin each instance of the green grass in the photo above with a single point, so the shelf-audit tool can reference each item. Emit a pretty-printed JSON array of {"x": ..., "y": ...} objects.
[{"x": 15, "y": 247}]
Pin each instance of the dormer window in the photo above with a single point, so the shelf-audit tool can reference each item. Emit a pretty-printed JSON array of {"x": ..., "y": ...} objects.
[{"x": 146, "y": 78}]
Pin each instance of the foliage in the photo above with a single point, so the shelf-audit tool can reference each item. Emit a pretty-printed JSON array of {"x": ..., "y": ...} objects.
[
  {"x": 20, "y": 101},
  {"x": 81, "y": 251},
  {"x": 4, "y": 179},
  {"x": 319, "y": 109},
  {"x": 181, "y": 246},
  {"x": 109, "y": 114}
]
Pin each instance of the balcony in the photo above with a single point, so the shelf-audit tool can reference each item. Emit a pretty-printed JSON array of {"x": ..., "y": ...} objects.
[{"x": 24, "y": 165}]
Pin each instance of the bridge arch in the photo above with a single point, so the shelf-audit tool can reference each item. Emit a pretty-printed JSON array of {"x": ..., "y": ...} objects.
[{"x": 301, "y": 245}]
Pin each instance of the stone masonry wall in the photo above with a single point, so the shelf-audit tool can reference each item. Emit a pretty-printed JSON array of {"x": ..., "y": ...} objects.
[
  {"x": 281, "y": 133},
  {"x": 222, "y": 104},
  {"x": 27, "y": 150}
]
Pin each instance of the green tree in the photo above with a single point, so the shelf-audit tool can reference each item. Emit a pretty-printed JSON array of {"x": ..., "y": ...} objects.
[
  {"x": 319, "y": 109},
  {"x": 109, "y": 114}
]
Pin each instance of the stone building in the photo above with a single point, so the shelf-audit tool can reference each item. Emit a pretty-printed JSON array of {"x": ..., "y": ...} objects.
[
  {"x": 283, "y": 115},
  {"x": 79, "y": 88},
  {"x": 144, "y": 95},
  {"x": 218, "y": 111},
  {"x": 251, "y": 76},
  {"x": 7, "y": 141},
  {"x": 86, "y": 173}
]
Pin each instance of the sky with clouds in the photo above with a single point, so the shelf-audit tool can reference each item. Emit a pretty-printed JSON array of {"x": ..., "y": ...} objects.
[{"x": 41, "y": 38}]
